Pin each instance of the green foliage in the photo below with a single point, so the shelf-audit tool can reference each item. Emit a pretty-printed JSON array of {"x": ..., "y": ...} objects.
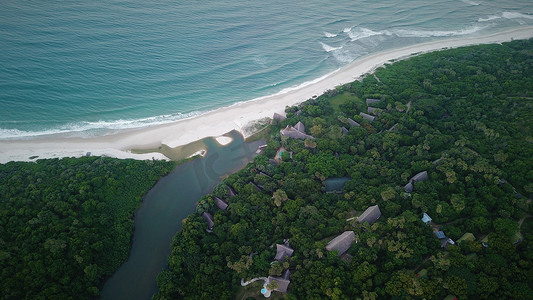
[
  {"x": 463, "y": 115},
  {"x": 66, "y": 224}
]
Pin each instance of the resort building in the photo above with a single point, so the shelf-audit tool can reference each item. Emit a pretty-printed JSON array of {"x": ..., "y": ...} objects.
[
  {"x": 342, "y": 242},
  {"x": 353, "y": 123},
  {"x": 281, "y": 282},
  {"x": 278, "y": 117},
  {"x": 371, "y": 110},
  {"x": 296, "y": 132},
  {"x": 283, "y": 251},
  {"x": 232, "y": 192},
  {"x": 209, "y": 219},
  {"x": 409, "y": 187},
  {"x": 221, "y": 204},
  {"x": 426, "y": 219},
  {"x": 367, "y": 117},
  {"x": 370, "y": 215},
  {"x": 371, "y": 101},
  {"x": 344, "y": 130}
]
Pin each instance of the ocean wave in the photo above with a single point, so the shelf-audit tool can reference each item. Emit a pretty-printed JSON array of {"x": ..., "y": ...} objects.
[
  {"x": 489, "y": 18},
  {"x": 469, "y": 2},
  {"x": 515, "y": 15},
  {"x": 87, "y": 128},
  {"x": 437, "y": 33},
  {"x": 506, "y": 15},
  {"x": 328, "y": 48},
  {"x": 347, "y": 29},
  {"x": 361, "y": 33},
  {"x": 329, "y": 35}
]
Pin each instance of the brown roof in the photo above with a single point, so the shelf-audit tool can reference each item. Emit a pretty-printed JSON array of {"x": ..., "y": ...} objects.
[
  {"x": 232, "y": 192},
  {"x": 283, "y": 284},
  {"x": 370, "y": 101},
  {"x": 408, "y": 187},
  {"x": 294, "y": 133},
  {"x": 342, "y": 242},
  {"x": 367, "y": 116},
  {"x": 344, "y": 130},
  {"x": 370, "y": 215},
  {"x": 300, "y": 127},
  {"x": 283, "y": 251},
  {"x": 371, "y": 110},
  {"x": 420, "y": 176},
  {"x": 220, "y": 203},
  {"x": 278, "y": 117},
  {"x": 353, "y": 123},
  {"x": 209, "y": 219}
]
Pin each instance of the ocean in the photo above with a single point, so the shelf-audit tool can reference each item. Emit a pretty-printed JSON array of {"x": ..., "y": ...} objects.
[{"x": 86, "y": 68}]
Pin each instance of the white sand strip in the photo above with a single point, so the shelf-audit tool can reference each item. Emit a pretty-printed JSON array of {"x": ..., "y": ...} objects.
[{"x": 223, "y": 120}]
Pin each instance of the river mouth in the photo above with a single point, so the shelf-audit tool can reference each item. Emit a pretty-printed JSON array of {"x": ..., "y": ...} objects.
[{"x": 171, "y": 200}]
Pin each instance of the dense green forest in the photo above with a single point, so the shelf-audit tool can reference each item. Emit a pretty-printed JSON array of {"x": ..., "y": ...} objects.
[
  {"x": 464, "y": 115},
  {"x": 66, "y": 224}
]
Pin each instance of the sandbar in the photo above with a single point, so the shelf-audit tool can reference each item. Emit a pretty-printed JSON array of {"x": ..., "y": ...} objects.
[{"x": 235, "y": 117}]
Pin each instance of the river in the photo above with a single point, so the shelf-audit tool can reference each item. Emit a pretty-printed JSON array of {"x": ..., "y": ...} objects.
[{"x": 171, "y": 200}]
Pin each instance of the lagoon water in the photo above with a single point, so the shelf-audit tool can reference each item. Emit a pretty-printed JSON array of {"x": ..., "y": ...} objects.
[
  {"x": 171, "y": 200},
  {"x": 89, "y": 67}
]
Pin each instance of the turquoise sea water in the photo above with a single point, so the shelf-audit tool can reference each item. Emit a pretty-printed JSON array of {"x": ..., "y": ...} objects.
[{"x": 89, "y": 67}]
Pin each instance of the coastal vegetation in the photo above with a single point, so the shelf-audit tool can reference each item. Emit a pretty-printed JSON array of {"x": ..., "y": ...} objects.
[
  {"x": 464, "y": 116},
  {"x": 66, "y": 224}
]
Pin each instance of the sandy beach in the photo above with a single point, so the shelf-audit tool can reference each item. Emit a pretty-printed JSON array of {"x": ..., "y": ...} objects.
[{"x": 223, "y": 120}]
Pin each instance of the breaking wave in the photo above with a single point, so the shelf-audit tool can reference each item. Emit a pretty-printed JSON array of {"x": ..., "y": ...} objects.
[{"x": 90, "y": 128}]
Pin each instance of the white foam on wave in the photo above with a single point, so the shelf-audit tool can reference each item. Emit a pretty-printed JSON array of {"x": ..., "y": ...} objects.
[
  {"x": 361, "y": 33},
  {"x": 329, "y": 34},
  {"x": 88, "y": 127},
  {"x": 516, "y": 15},
  {"x": 437, "y": 33},
  {"x": 506, "y": 15},
  {"x": 489, "y": 18},
  {"x": 469, "y": 2},
  {"x": 329, "y": 48},
  {"x": 347, "y": 29}
]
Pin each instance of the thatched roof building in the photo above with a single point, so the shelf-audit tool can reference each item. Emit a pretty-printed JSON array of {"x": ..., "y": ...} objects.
[
  {"x": 370, "y": 215},
  {"x": 283, "y": 251},
  {"x": 282, "y": 283},
  {"x": 296, "y": 132},
  {"x": 209, "y": 219},
  {"x": 278, "y": 117},
  {"x": 353, "y": 123},
  {"x": 232, "y": 192},
  {"x": 418, "y": 177},
  {"x": 367, "y": 117},
  {"x": 370, "y": 101},
  {"x": 221, "y": 203},
  {"x": 344, "y": 130},
  {"x": 342, "y": 242},
  {"x": 371, "y": 110},
  {"x": 408, "y": 187}
]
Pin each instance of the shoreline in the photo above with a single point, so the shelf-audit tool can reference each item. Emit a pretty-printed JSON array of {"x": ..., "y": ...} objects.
[{"x": 237, "y": 116}]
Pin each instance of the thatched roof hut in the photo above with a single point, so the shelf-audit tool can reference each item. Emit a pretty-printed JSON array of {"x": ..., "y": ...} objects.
[
  {"x": 283, "y": 251},
  {"x": 294, "y": 133},
  {"x": 353, "y": 123},
  {"x": 370, "y": 215},
  {"x": 367, "y": 117},
  {"x": 232, "y": 192},
  {"x": 420, "y": 176},
  {"x": 408, "y": 187},
  {"x": 342, "y": 242},
  {"x": 344, "y": 130},
  {"x": 371, "y": 110},
  {"x": 370, "y": 101},
  {"x": 209, "y": 219},
  {"x": 278, "y": 117},
  {"x": 221, "y": 203},
  {"x": 282, "y": 283}
]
